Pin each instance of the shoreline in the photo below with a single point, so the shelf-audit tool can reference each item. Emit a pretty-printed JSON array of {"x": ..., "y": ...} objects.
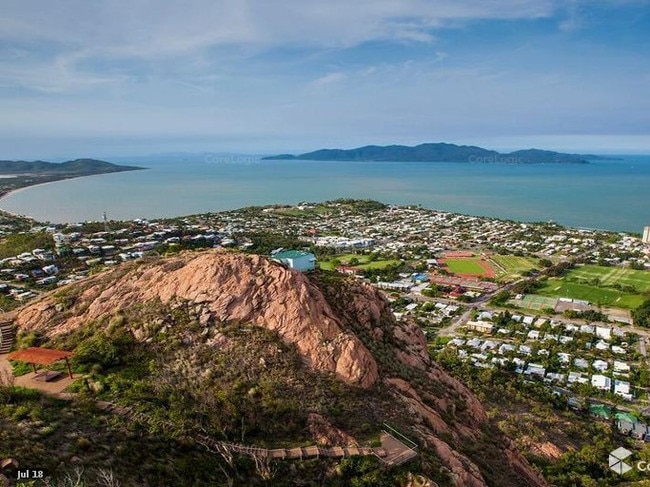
[
  {"x": 74, "y": 212},
  {"x": 292, "y": 204},
  {"x": 29, "y": 186}
]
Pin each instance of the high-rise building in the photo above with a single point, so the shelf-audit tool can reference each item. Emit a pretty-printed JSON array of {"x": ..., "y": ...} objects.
[{"x": 646, "y": 235}]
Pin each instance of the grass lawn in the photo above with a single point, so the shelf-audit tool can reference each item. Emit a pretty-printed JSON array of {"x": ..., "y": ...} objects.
[
  {"x": 511, "y": 264},
  {"x": 364, "y": 262},
  {"x": 465, "y": 266},
  {"x": 298, "y": 213},
  {"x": 327, "y": 265},
  {"x": 379, "y": 264},
  {"x": 595, "y": 295},
  {"x": 613, "y": 275}
]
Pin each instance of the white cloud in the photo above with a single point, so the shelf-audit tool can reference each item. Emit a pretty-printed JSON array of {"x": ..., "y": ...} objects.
[
  {"x": 329, "y": 79},
  {"x": 201, "y": 35},
  {"x": 56, "y": 75},
  {"x": 146, "y": 27}
]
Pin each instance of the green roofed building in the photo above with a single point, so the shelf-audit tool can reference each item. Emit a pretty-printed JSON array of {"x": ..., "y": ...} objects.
[
  {"x": 626, "y": 416},
  {"x": 600, "y": 411},
  {"x": 296, "y": 259}
]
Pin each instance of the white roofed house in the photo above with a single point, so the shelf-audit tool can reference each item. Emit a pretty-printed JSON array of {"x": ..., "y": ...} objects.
[
  {"x": 604, "y": 332},
  {"x": 601, "y": 382},
  {"x": 533, "y": 335},
  {"x": 519, "y": 365},
  {"x": 577, "y": 377},
  {"x": 588, "y": 329},
  {"x": 535, "y": 369},
  {"x": 602, "y": 345},
  {"x": 600, "y": 365},
  {"x": 554, "y": 377},
  {"x": 489, "y": 345},
  {"x": 580, "y": 363},
  {"x": 622, "y": 388},
  {"x": 621, "y": 367}
]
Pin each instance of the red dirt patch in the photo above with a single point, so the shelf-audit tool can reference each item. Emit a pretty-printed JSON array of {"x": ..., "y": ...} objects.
[
  {"x": 489, "y": 270},
  {"x": 454, "y": 254}
]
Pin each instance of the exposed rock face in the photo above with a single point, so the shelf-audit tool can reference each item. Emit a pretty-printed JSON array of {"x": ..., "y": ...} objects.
[
  {"x": 231, "y": 287},
  {"x": 336, "y": 328},
  {"x": 327, "y": 435}
]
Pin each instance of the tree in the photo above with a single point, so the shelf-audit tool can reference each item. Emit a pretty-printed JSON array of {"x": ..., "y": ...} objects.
[
  {"x": 641, "y": 315},
  {"x": 500, "y": 298}
]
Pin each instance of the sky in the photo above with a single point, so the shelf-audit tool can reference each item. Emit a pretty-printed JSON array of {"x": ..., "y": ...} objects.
[{"x": 138, "y": 77}]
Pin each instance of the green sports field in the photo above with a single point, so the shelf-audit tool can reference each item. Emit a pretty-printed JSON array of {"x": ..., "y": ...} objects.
[
  {"x": 364, "y": 262},
  {"x": 613, "y": 275},
  {"x": 511, "y": 266},
  {"x": 470, "y": 266},
  {"x": 595, "y": 295}
]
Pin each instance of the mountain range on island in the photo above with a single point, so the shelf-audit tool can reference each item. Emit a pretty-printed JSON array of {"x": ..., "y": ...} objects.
[
  {"x": 439, "y": 152},
  {"x": 78, "y": 167}
]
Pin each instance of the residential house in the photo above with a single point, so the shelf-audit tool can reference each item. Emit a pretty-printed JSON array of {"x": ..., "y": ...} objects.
[
  {"x": 604, "y": 332},
  {"x": 577, "y": 377},
  {"x": 624, "y": 426},
  {"x": 600, "y": 365},
  {"x": 535, "y": 369},
  {"x": 525, "y": 350},
  {"x": 554, "y": 377},
  {"x": 580, "y": 363},
  {"x": 622, "y": 388},
  {"x": 601, "y": 382},
  {"x": 480, "y": 326},
  {"x": 640, "y": 432},
  {"x": 533, "y": 335},
  {"x": 621, "y": 367}
]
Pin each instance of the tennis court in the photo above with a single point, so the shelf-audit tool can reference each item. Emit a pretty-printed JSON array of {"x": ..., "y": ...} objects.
[{"x": 534, "y": 301}]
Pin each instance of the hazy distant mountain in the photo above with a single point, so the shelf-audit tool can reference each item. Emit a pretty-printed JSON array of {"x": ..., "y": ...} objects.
[
  {"x": 78, "y": 167},
  {"x": 438, "y": 152}
]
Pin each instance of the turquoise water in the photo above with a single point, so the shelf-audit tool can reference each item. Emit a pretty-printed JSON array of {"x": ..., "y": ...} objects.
[{"x": 613, "y": 195}]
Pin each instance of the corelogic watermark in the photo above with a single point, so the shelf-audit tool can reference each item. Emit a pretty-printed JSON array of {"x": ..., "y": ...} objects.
[
  {"x": 618, "y": 464},
  {"x": 497, "y": 158},
  {"x": 243, "y": 159}
]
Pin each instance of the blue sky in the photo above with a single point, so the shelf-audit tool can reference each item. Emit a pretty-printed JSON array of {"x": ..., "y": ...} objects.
[{"x": 136, "y": 77}]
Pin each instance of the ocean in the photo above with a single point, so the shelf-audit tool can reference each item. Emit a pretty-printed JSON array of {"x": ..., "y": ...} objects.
[{"x": 611, "y": 195}]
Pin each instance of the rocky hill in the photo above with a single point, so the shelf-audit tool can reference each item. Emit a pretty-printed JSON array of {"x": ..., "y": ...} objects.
[{"x": 243, "y": 349}]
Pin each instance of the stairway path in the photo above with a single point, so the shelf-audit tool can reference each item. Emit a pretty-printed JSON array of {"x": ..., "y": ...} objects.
[{"x": 7, "y": 336}]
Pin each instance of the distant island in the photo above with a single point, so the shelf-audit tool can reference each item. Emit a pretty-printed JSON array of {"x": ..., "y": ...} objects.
[
  {"x": 439, "y": 152},
  {"x": 20, "y": 174}
]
